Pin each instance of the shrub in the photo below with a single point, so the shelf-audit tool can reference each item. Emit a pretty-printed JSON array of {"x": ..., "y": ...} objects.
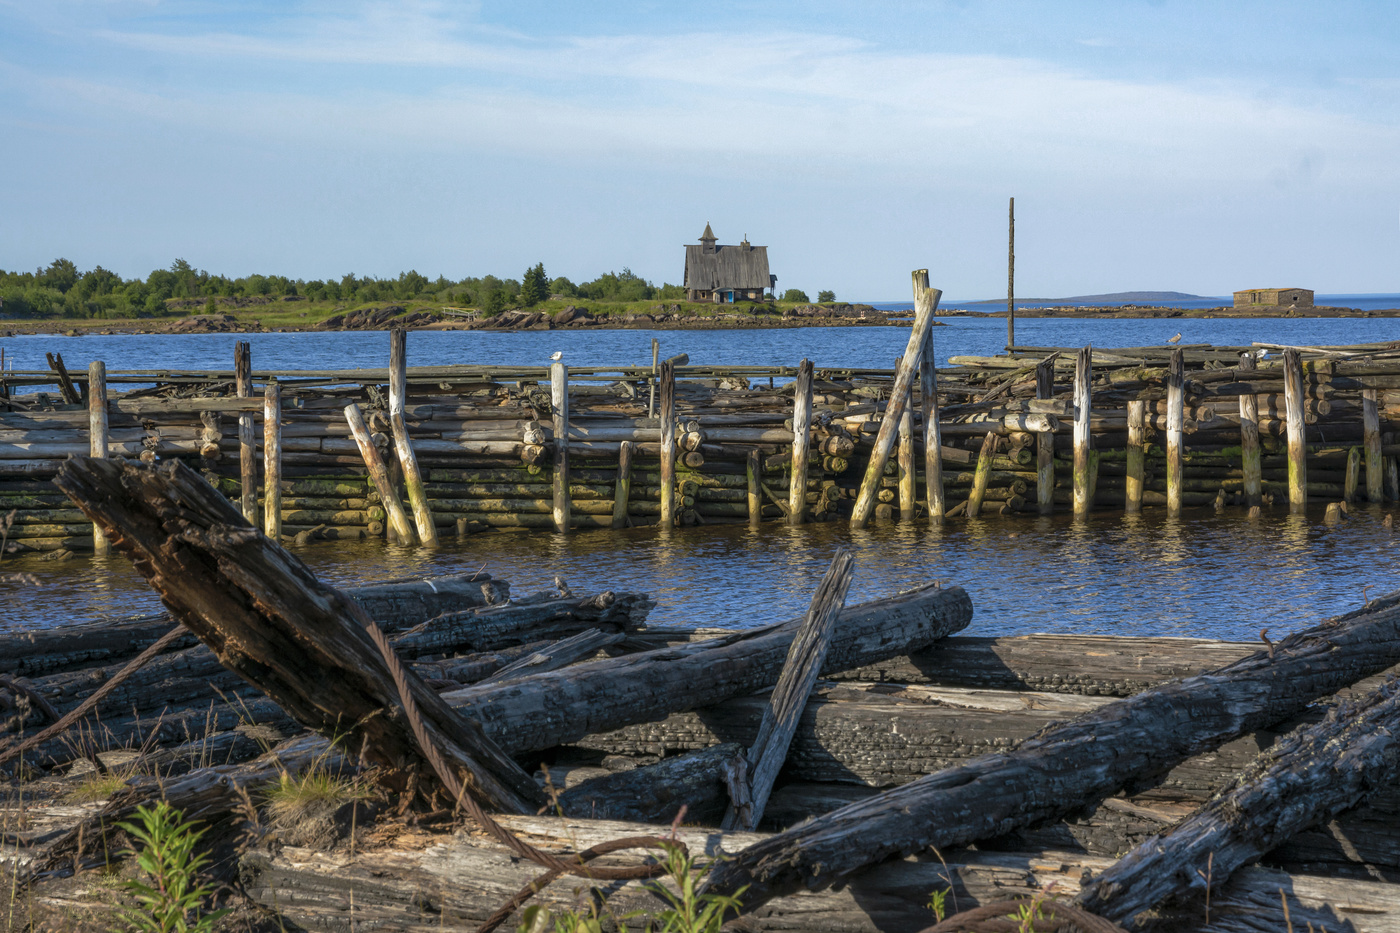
[
  {"x": 795, "y": 294},
  {"x": 172, "y": 899},
  {"x": 826, "y": 296}
]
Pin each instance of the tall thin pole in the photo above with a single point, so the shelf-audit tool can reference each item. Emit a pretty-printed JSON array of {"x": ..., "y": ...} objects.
[
  {"x": 97, "y": 435},
  {"x": 1011, "y": 277}
]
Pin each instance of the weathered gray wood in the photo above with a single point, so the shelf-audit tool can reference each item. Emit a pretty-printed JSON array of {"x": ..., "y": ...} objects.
[
  {"x": 1083, "y": 375},
  {"x": 1297, "y": 433},
  {"x": 1371, "y": 426},
  {"x": 925, "y": 306},
  {"x": 1011, "y": 274},
  {"x": 272, "y": 460},
  {"x": 1351, "y": 481},
  {"x": 559, "y": 403},
  {"x": 271, "y": 621},
  {"x": 1176, "y": 399},
  {"x": 379, "y": 475},
  {"x": 1068, "y": 764},
  {"x": 1136, "y": 456},
  {"x": 651, "y": 383},
  {"x": 562, "y": 706},
  {"x": 491, "y": 627},
  {"x": 668, "y": 444},
  {"x": 559, "y": 654},
  {"x": 1249, "y": 439},
  {"x": 403, "y": 446},
  {"x": 801, "y": 442},
  {"x": 97, "y": 434},
  {"x": 753, "y": 470},
  {"x": 1045, "y": 441},
  {"x": 247, "y": 438},
  {"x": 1311, "y": 776},
  {"x": 904, "y": 460},
  {"x": 655, "y": 793},
  {"x": 933, "y": 431},
  {"x": 805, "y": 657},
  {"x": 980, "y": 476},
  {"x": 622, "y": 487}
]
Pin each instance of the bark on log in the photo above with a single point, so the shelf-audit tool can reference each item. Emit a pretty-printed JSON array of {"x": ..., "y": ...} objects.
[
  {"x": 492, "y": 627},
  {"x": 1066, "y": 765},
  {"x": 655, "y": 793},
  {"x": 270, "y": 620}
]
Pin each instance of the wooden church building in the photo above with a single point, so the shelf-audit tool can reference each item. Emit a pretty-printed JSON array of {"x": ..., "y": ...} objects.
[{"x": 725, "y": 274}]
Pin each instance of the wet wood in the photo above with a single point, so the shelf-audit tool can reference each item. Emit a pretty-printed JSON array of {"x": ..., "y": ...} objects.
[
  {"x": 753, "y": 470},
  {"x": 559, "y": 406},
  {"x": 979, "y": 478},
  {"x": 1147, "y": 733},
  {"x": 247, "y": 444},
  {"x": 1297, "y": 436},
  {"x": 1176, "y": 396},
  {"x": 928, "y": 402},
  {"x": 801, "y": 442},
  {"x": 272, "y": 460},
  {"x": 379, "y": 475},
  {"x": 622, "y": 490},
  {"x": 1249, "y": 439},
  {"x": 1310, "y": 777},
  {"x": 97, "y": 434},
  {"x": 1083, "y": 374},
  {"x": 1136, "y": 457},
  {"x": 805, "y": 657},
  {"x": 1045, "y": 441},
  {"x": 269, "y": 620},
  {"x": 1371, "y": 426},
  {"x": 904, "y": 460},
  {"x": 667, "y": 380},
  {"x": 403, "y": 446}
]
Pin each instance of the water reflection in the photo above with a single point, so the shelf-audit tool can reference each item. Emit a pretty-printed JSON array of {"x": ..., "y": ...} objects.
[{"x": 1199, "y": 574}]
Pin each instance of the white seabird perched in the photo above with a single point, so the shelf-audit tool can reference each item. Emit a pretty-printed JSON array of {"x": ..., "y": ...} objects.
[
  {"x": 1176, "y": 339},
  {"x": 557, "y": 355}
]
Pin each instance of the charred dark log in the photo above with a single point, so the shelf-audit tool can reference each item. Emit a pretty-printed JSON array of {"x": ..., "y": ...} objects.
[{"x": 491, "y": 627}]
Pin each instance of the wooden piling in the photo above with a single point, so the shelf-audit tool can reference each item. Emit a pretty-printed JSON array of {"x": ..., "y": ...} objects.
[
  {"x": 667, "y": 378},
  {"x": 655, "y": 356},
  {"x": 272, "y": 460},
  {"x": 801, "y": 442},
  {"x": 933, "y": 434},
  {"x": 754, "y": 472},
  {"x": 1250, "y": 464},
  {"x": 889, "y": 426},
  {"x": 905, "y": 460},
  {"x": 1045, "y": 442},
  {"x": 97, "y": 435},
  {"x": 1351, "y": 479},
  {"x": 1083, "y": 374},
  {"x": 980, "y": 476},
  {"x": 1297, "y": 435},
  {"x": 622, "y": 490},
  {"x": 1371, "y": 434},
  {"x": 408, "y": 461},
  {"x": 379, "y": 475},
  {"x": 247, "y": 443},
  {"x": 1176, "y": 401},
  {"x": 1011, "y": 275},
  {"x": 559, "y": 401},
  {"x": 1136, "y": 456}
]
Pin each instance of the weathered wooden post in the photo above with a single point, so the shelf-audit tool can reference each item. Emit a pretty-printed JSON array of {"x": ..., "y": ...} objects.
[
  {"x": 97, "y": 435},
  {"x": 1351, "y": 479},
  {"x": 272, "y": 460},
  {"x": 753, "y": 470},
  {"x": 622, "y": 489},
  {"x": 928, "y": 403},
  {"x": 559, "y": 402},
  {"x": 1137, "y": 456},
  {"x": 1083, "y": 374},
  {"x": 379, "y": 475},
  {"x": 667, "y": 378},
  {"x": 801, "y": 442},
  {"x": 905, "y": 459},
  {"x": 247, "y": 443},
  {"x": 981, "y": 474},
  {"x": 889, "y": 426},
  {"x": 408, "y": 461},
  {"x": 1176, "y": 403},
  {"x": 1045, "y": 442},
  {"x": 1297, "y": 435},
  {"x": 1250, "y": 463},
  {"x": 651, "y": 399},
  {"x": 1011, "y": 276},
  {"x": 1371, "y": 437}
]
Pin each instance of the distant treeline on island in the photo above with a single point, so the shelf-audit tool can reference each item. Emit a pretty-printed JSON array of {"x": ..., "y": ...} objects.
[{"x": 61, "y": 290}]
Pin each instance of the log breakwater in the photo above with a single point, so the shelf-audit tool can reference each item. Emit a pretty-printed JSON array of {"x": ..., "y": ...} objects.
[{"x": 411, "y": 453}]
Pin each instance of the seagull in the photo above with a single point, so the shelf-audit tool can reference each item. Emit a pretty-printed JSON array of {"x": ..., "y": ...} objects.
[
  {"x": 559, "y": 354},
  {"x": 1176, "y": 339}
]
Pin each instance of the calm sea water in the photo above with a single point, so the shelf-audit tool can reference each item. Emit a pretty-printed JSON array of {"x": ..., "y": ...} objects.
[{"x": 1202, "y": 574}]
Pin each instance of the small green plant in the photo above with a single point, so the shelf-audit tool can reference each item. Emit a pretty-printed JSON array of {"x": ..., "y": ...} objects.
[
  {"x": 98, "y": 786},
  {"x": 936, "y": 903},
  {"x": 171, "y": 899},
  {"x": 313, "y": 789},
  {"x": 689, "y": 910},
  {"x": 539, "y": 919}
]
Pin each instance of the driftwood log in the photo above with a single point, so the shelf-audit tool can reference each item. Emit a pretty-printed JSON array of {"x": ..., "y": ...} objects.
[
  {"x": 1069, "y": 765},
  {"x": 272, "y": 622},
  {"x": 493, "y": 627}
]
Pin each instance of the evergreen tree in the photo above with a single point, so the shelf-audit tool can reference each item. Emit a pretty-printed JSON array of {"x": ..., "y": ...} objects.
[
  {"x": 534, "y": 286},
  {"x": 826, "y": 296}
]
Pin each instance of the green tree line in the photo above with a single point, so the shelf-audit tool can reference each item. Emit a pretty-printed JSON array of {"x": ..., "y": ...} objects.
[{"x": 61, "y": 290}]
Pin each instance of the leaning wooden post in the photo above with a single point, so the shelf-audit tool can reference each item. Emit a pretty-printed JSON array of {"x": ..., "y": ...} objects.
[
  {"x": 622, "y": 489},
  {"x": 272, "y": 460},
  {"x": 754, "y": 472},
  {"x": 651, "y": 399},
  {"x": 899, "y": 394},
  {"x": 1297, "y": 437},
  {"x": 804, "y": 660},
  {"x": 408, "y": 461},
  {"x": 1371, "y": 435},
  {"x": 1045, "y": 441},
  {"x": 928, "y": 403},
  {"x": 379, "y": 475},
  {"x": 1176, "y": 404},
  {"x": 247, "y": 443},
  {"x": 1137, "y": 456},
  {"x": 1250, "y": 464},
  {"x": 559, "y": 402},
  {"x": 667, "y": 378},
  {"x": 801, "y": 442},
  {"x": 982, "y": 473},
  {"x": 97, "y": 435},
  {"x": 1083, "y": 374}
]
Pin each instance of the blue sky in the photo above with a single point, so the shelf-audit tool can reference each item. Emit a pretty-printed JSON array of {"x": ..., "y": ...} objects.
[{"x": 1201, "y": 147}]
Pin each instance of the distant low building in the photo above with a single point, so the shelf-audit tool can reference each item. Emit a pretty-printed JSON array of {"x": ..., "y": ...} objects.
[
  {"x": 1274, "y": 297},
  {"x": 726, "y": 274}
]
